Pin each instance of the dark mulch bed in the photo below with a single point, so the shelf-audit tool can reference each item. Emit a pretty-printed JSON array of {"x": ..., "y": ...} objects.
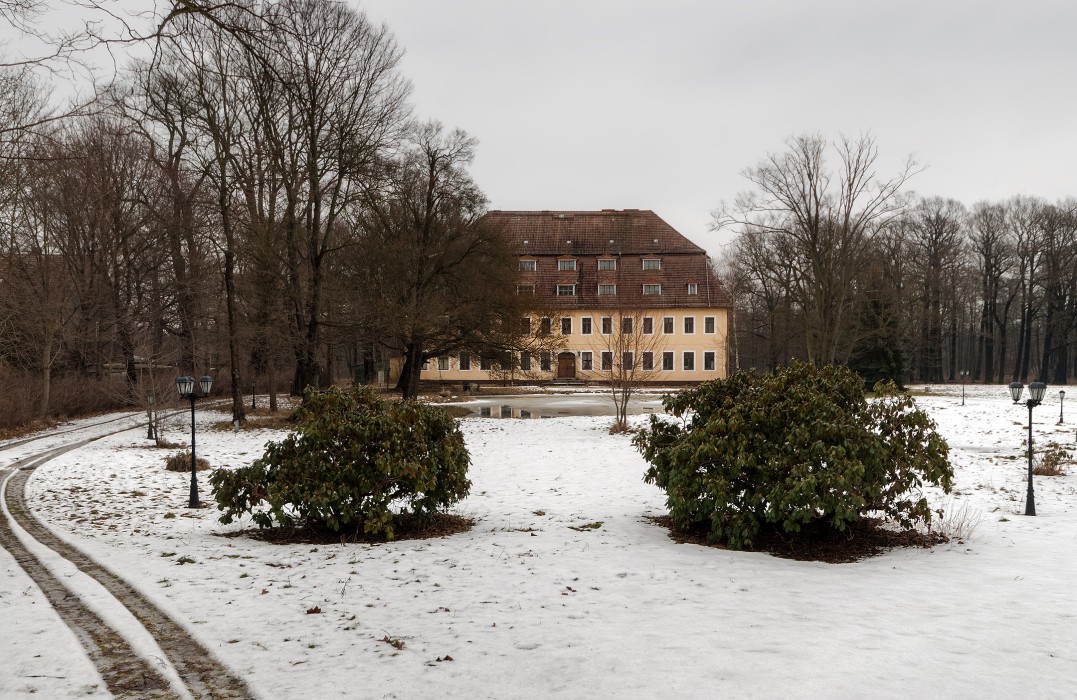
[
  {"x": 865, "y": 538},
  {"x": 405, "y": 528}
]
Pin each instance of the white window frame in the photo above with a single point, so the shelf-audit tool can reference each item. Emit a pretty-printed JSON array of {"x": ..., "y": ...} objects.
[
  {"x": 606, "y": 325},
  {"x": 610, "y": 265},
  {"x": 648, "y": 325},
  {"x": 587, "y": 361},
  {"x": 652, "y": 290},
  {"x": 710, "y": 321},
  {"x": 525, "y": 289},
  {"x": 564, "y": 325},
  {"x": 669, "y": 354},
  {"x": 685, "y": 360},
  {"x": 566, "y": 290},
  {"x": 545, "y": 363},
  {"x": 647, "y": 361},
  {"x": 710, "y": 357},
  {"x": 528, "y": 265},
  {"x": 444, "y": 365},
  {"x": 693, "y": 288},
  {"x": 689, "y": 321},
  {"x": 607, "y": 290},
  {"x": 566, "y": 265},
  {"x": 607, "y": 360},
  {"x": 525, "y": 361},
  {"x": 586, "y": 325},
  {"x": 670, "y": 323},
  {"x": 657, "y": 263}
]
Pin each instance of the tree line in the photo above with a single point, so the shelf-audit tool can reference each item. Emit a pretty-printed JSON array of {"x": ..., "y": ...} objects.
[
  {"x": 254, "y": 199},
  {"x": 837, "y": 265}
]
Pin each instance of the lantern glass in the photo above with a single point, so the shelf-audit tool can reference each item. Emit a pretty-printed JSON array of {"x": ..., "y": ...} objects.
[
  {"x": 1015, "y": 391},
  {"x": 184, "y": 385},
  {"x": 206, "y": 382},
  {"x": 1036, "y": 391},
  {"x": 1062, "y": 393}
]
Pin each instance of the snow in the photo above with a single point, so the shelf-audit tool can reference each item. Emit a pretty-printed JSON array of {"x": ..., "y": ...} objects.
[{"x": 526, "y": 606}]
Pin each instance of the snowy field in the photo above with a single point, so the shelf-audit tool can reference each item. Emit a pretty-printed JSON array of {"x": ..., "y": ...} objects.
[{"x": 528, "y": 607}]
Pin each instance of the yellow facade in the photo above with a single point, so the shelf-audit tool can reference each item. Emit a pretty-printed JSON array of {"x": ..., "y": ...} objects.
[{"x": 693, "y": 341}]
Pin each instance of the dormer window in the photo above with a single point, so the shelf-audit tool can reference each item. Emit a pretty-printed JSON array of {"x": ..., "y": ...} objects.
[
  {"x": 652, "y": 263},
  {"x": 652, "y": 290},
  {"x": 528, "y": 265},
  {"x": 693, "y": 288},
  {"x": 566, "y": 265},
  {"x": 607, "y": 265}
]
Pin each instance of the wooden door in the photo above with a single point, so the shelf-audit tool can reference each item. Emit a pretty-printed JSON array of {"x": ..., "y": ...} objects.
[{"x": 566, "y": 365}]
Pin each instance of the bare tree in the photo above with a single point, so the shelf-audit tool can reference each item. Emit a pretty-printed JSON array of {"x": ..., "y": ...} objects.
[
  {"x": 884, "y": 333},
  {"x": 32, "y": 307},
  {"x": 935, "y": 233},
  {"x": 992, "y": 258},
  {"x": 430, "y": 278},
  {"x": 628, "y": 357},
  {"x": 822, "y": 223},
  {"x": 764, "y": 295},
  {"x": 332, "y": 103},
  {"x": 194, "y": 98},
  {"x": 1058, "y": 274},
  {"x": 1026, "y": 223}
]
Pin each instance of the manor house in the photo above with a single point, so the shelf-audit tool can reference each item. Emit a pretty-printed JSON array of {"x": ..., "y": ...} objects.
[{"x": 596, "y": 274}]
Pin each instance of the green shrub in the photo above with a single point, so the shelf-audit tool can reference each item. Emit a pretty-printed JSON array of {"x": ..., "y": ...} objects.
[
  {"x": 802, "y": 446},
  {"x": 353, "y": 461},
  {"x": 181, "y": 462}
]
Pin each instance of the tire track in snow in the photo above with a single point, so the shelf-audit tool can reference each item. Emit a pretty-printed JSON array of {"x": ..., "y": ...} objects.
[{"x": 126, "y": 674}]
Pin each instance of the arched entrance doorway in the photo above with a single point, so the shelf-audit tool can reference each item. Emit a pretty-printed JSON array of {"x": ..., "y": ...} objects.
[{"x": 566, "y": 365}]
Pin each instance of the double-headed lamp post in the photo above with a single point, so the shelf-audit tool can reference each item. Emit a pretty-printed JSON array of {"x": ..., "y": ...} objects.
[
  {"x": 186, "y": 388},
  {"x": 1035, "y": 396},
  {"x": 1061, "y": 403},
  {"x": 964, "y": 376}
]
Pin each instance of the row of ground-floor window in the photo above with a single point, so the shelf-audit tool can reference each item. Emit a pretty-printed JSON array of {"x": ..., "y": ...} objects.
[
  {"x": 543, "y": 361},
  {"x": 654, "y": 366},
  {"x": 661, "y": 345}
]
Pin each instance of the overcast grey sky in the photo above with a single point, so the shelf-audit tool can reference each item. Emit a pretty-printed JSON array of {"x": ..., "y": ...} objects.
[{"x": 592, "y": 104}]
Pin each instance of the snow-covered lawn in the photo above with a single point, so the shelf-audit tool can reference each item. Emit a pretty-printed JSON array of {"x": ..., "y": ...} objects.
[{"x": 528, "y": 607}]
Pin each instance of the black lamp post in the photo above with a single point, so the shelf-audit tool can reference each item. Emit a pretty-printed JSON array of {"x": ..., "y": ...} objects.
[
  {"x": 1035, "y": 396},
  {"x": 964, "y": 376},
  {"x": 1061, "y": 403},
  {"x": 186, "y": 388}
]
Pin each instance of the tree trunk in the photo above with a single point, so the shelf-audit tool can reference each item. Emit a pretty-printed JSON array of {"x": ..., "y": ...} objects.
[
  {"x": 272, "y": 376},
  {"x": 46, "y": 374},
  {"x": 238, "y": 413},
  {"x": 410, "y": 374}
]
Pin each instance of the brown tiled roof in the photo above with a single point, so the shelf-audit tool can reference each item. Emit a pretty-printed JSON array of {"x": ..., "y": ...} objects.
[
  {"x": 610, "y": 231},
  {"x": 628, "y": 236}
]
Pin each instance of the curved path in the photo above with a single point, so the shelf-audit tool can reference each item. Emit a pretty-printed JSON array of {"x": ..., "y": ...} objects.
[{"x": 126, "y": 674}]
